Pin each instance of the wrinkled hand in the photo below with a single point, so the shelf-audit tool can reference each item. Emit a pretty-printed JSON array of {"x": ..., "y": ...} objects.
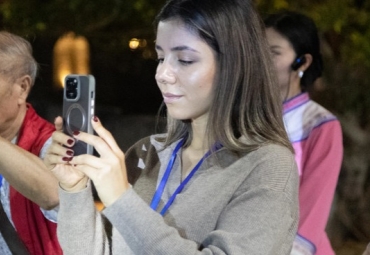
[
  {"x": 57, "y": 159},
  {"x": 108, "y": 172}
]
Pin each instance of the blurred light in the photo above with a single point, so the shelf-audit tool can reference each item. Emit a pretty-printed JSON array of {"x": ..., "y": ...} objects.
[
  {"x": 61, "y": 75},
  {"x": 71, "y": 56},
  {"x": 134, "y": 43}
]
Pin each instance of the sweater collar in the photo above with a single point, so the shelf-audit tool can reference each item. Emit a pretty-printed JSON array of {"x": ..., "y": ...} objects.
[{"x": 295, "y": 101}]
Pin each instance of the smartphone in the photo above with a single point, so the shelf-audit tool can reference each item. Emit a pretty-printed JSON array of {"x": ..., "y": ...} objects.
[{"x": 78, "y": 108}]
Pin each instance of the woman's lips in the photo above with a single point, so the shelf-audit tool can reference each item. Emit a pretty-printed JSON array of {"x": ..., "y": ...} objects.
[{"x": 170, "y": 98}]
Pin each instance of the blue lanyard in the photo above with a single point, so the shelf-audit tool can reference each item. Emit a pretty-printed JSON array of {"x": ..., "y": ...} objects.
[
  {"x": 158, "y": 193},
  {"x": 1, "y": 180}
]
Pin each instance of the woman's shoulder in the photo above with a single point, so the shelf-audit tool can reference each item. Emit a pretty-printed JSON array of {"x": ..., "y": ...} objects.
[
  {"x": 272, "y": 152},
  {"x": 270, "y": 157},
  {"x": 261, "y": 155},
  {"x": 267, "y": 149},
  {"x": 274, "y": 165}
]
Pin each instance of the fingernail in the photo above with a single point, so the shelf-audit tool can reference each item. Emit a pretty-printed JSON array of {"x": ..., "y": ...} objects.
[
  {"x": 76, "y": 133},
  {"x": 96, "y": 119},
  {"x": 66, "y": 159},
  {"x": 70, "y": 152},
  {"x": 70, "y": 141}
]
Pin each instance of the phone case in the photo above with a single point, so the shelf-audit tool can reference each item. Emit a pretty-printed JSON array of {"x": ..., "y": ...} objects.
[{"x": 78, "y": 108}]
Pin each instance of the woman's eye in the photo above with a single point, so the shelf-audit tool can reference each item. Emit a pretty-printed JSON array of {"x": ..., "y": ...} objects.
[
  {"x": 160, "y": 60},
  {"x": 185, "y": 62}
]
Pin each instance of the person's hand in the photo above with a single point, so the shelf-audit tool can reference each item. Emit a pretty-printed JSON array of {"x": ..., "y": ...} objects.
[
  {"x": 58, "y": 157},
  {"x": 108, "y": 172}
]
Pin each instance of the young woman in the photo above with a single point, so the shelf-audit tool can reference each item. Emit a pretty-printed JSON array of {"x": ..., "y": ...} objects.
[
  {"x": 314, "y": 132},
  {"x": 221, "y": 180}
]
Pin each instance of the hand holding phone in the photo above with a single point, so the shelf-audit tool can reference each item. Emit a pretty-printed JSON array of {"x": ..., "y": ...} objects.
[{"x": 78, "y": 108}]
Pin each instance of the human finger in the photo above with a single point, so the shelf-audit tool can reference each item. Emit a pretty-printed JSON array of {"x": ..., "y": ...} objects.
[
  {"x": 58, "y": 123},
  {"x": 70, "y": 178},
  {"x": 51, "y": 160},
  {"x": 57, "y": 148},
  {"x": 57, "y": 154},
  {"x": 63, "y": 139},
  {"x": 106, "y": 136},
  {"x": 89, "y": 161},
  {"x": 109, "y": 183},
  {"x": 97, "y": 142}
]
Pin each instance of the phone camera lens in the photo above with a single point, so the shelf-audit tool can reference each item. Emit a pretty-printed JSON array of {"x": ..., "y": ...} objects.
[{"x": 71, "y": 88}]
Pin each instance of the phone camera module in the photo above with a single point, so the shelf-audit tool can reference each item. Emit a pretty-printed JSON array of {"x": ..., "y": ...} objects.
[{"x": 71, "y": 88}]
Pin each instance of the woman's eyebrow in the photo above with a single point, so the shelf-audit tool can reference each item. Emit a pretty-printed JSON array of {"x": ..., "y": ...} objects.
[
  {"x": 275, "y": 47},
  {"x": 177, "y": 48}
]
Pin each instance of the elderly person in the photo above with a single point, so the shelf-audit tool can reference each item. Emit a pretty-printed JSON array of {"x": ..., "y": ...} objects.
[{"x": 24, "y": 136}]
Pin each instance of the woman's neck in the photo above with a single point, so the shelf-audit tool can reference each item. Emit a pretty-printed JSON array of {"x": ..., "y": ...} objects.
[
  {"x": 291, "y": 89},
  {"x": 198, "y": 142},
  {"x": 197, "y": 148}
]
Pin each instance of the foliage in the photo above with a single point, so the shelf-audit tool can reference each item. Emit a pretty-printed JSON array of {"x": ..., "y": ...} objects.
[
  {"x": 110, "y": 24},
  {"x": 80, "y": 16}
]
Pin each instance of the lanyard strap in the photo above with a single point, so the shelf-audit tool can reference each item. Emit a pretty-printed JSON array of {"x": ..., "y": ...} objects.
[
  {"x": 158, "y": 194},
  {"x": 1, "y": 180},
  {"x": 183, "y": 183}
]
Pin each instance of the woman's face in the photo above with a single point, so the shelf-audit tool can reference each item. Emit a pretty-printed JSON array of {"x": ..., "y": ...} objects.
[
  {"x": 185, "y": 72},
  {"x": 283, "y": 56}
]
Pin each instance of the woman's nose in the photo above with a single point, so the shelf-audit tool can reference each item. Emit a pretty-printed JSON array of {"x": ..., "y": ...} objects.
[{"x": 165, "y": 74}]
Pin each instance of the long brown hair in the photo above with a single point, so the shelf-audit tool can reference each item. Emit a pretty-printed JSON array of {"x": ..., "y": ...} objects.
[{"x": 246, "y": 101}]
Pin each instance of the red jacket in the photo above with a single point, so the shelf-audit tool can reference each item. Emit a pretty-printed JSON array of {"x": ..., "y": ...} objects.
[{"x": 37, "y": 233}]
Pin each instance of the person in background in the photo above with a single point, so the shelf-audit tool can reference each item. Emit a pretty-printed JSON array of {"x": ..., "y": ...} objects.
[
  {"x": 314, "y": 132},
  {"x": 221, "y": 180},
  {"x": 25, "y": 183}
]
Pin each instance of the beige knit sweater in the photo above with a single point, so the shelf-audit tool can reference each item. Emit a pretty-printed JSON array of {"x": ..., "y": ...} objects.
[{"x": 245, "y": 205}]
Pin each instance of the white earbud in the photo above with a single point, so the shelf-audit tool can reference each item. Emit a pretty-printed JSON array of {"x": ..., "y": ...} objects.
[{"x": 300, "y": 74}]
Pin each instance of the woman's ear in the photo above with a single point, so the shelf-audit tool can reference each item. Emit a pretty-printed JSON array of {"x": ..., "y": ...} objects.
[
  {"x": 25, "y": 84},
  {"x": 307, "y": 63}
]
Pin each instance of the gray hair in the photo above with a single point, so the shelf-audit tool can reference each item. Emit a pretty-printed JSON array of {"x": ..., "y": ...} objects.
[{"x": 16, "y": 57}]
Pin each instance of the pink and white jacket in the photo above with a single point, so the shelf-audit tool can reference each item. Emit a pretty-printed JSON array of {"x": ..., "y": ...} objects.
[{"x": 316, "y": 136}]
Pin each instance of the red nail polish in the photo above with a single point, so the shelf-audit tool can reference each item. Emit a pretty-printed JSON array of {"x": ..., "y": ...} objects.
[
  {"x": 70, "y": 141},
  {"x": 76, "y": 132},
  {"x": 66, "y": 159},
  {"x": 96, "y": 119},
  {"x": 70, "y": 153}
]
